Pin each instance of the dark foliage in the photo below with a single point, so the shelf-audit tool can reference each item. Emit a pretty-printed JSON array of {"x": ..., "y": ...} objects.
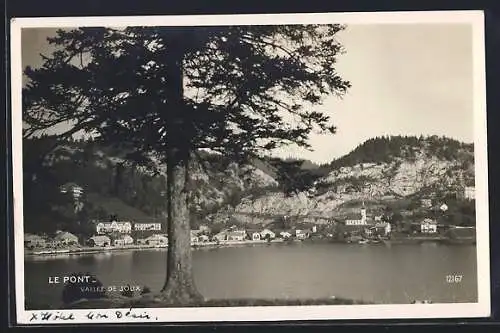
[{"x": 387, "y": 149}]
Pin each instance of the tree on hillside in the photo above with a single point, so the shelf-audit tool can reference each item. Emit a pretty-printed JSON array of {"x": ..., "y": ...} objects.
[
  {"x": 165, "y": 93},
  {"x": 292, "y": 177}
]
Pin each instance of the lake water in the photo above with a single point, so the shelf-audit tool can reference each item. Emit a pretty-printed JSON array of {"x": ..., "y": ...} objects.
[{"x": 374, "y": 273}]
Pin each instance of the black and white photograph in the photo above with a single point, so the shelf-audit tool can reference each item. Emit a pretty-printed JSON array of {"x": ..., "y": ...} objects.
[{"x": 250, "y": 167}]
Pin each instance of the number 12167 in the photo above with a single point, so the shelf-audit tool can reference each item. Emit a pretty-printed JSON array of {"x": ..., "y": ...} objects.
[{"x": 454, "y": 278}]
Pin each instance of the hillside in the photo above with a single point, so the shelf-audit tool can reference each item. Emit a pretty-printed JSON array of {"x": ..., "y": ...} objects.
[
  {"x": 114, "y": 187},
  {"x": 382, "y": 172}
]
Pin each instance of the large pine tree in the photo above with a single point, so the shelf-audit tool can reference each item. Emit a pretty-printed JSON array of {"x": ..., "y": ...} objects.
[{"x": 169, "y": 92}]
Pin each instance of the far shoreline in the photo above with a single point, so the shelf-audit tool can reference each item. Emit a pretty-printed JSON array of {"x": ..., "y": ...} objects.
[
  {"x": 95, "y": 250},
  {"x": 229, "y": 244}
]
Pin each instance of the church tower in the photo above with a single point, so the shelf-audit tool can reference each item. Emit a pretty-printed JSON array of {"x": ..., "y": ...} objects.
[{"x": 363, "y": 214}]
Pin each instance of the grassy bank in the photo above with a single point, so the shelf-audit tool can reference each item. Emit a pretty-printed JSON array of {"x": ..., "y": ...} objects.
[{"x": 150, "y": 301}]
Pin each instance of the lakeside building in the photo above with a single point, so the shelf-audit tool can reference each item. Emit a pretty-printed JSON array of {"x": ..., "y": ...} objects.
[
  {"x": 221, "y": 236},
  {"x": 383, "y": 228},
  {"x": 113, "y": 227},
  {"x": 301, "y": 234},
  {"x": 358, "y": 219},
  {"x": 155, "y": 240},
  {"x": 203, "y": 238},
  {"x": 470, "y": 192},
  {"x": 32, "y": 241},
  {"x": 236, "y": 235},
  {"x": 230, "y": 235},
  {"x": 285, "y": 234},
  {"x": 99, "y": 240},
  {"x": 140, "y": 226},
  {"x": 254, "y": 235},
  {"x": 428, "y": 226},
  {"x": 75, "y": 190},
  {"x": 266, "y": 233},
  {"x": 123, "y": 241},
  {"x": 66, "y": 238},
  {"x": 194, "y": 236}
]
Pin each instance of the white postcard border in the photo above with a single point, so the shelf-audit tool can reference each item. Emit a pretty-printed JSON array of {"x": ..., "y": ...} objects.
[{"x": 268, "y": 313}]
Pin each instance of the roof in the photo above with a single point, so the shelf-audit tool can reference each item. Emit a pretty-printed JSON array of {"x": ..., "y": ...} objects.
[
  {"x": 111, "y": 222},
  {"x": 157, "y": 236},
  {"x": 237, "y": 233},
  {"x": 65, "y": 235},
  {"x": 100, "y": 238}
]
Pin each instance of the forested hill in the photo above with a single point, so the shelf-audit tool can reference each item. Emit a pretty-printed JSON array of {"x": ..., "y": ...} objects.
[
  {"x": 114, "y": 187},
  {"x": 387, "y": 148}
]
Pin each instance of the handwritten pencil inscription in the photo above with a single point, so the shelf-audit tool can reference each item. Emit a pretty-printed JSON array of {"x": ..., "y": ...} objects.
[{"x": 111, "y": 315}]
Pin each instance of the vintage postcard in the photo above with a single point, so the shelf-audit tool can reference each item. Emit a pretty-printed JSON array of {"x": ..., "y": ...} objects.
[{"x": 250, "y": 167}]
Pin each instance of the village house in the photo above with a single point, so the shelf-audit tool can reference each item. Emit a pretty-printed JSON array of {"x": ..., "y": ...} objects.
[
  {"x": 34, "y": 241},
  {"x": 113, "y": 227},
  {"x": 203, "y": 238},
  {"x": 301, "y": 234},
  {"x": 75, "y": 190},
  {"x": 204, "y": 229},
  {"x": 254, "y": 235},
  {"x": 358, "y": 219},
  {"x": 221, "y": 236},
  {"x": 236, "y": 235},
  {"x": 65, "y": 238},
  {"x": 140, "y": 226},
  {"x": 156, "y": 240},
  {"x": 428, "y": 226},
  {"x": 382, "y": 228},
  {"x": 267, "y": 234},
  {"x": 100, "y": 241},
  {"x": 285, "y": 235},
  {"x": 469, "y": 192},
  {"x": 194, "y": 236},
  {"x": 123, "y": 241}
]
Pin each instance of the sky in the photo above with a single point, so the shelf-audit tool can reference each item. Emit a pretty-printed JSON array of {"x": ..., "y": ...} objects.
[{"x": 407, "y": 79}]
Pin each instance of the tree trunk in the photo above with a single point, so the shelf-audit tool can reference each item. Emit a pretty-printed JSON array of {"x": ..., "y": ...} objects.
[{"x": 179, "y": 287}]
